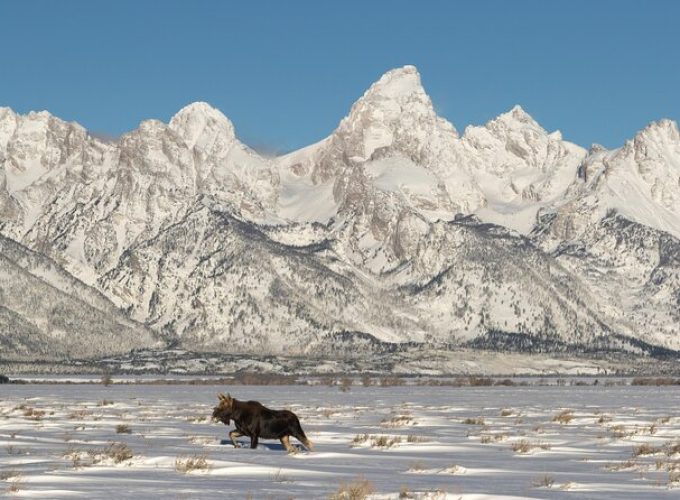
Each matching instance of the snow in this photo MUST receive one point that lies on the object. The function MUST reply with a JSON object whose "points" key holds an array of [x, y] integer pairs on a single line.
{"points": [[301, 200], [447, 442], [397, 83], [397, 174], [192, 121], [187, 228]]}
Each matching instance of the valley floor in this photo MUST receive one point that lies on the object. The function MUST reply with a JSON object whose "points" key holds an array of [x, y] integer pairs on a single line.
{"points": [[142, 441]]}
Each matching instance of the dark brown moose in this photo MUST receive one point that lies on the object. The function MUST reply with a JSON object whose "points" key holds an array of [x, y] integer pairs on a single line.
{"points": [[256, 421]]}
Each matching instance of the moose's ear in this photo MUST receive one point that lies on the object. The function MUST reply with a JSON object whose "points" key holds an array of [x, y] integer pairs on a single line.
{"points": [[221, 396]]}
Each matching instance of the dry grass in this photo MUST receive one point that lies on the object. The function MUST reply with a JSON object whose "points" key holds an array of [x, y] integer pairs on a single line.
{"points": [[74, 456], [118, 452], [563, 417], [105, 402], [405, 492], [391, 381], [279, 477], [489, 438], [78, 414], [14, 450], [627, 465], [416, 466], [454, 469], [15, 484], [345, 384], [672, 448], [655, 381], [359, 489], [603, 419], [546, 481], [9, 474], [474, 421], [33, 414], [381, 441], [263, 379], [620, 431], [397, 421], [360, 438], [507, 412], [667, 465], [645, 449], [673, 478], [123, 429], [385, 441], [192, 463], [412, 438], [524, 446]]}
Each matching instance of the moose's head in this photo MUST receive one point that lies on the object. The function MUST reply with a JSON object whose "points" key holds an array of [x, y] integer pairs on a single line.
{"points": [[222, 411]]}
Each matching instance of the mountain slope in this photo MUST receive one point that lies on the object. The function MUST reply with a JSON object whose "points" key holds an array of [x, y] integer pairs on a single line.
{"points": [[47, 313], [394, 228]]}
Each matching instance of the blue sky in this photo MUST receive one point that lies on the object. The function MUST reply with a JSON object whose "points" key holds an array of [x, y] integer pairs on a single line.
{"points": [[286, 72]]}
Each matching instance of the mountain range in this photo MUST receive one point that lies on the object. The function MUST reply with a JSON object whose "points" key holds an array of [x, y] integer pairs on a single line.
{"points": [[394, 230]]}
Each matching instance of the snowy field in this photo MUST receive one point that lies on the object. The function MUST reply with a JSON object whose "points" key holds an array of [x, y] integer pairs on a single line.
{"points": [[90, 441]]}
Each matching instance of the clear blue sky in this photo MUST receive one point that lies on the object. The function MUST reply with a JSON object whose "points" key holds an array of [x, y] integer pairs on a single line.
{"points": [[286, 72]]}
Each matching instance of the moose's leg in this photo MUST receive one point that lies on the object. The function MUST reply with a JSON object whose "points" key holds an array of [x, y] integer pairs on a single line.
{"points": [[285, 441], [253, 441], [299, 434], [233, 435]]}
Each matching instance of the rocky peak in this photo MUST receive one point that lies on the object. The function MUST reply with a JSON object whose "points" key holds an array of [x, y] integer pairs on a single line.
{"points": [[653, 139], [395, 113], [398, 84], [657, 146], [199, 123], [514, 140], [515, 120], [8, 123]]}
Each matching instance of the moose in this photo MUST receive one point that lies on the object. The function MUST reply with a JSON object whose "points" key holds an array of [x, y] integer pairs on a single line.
{"points": [[256, 421]]}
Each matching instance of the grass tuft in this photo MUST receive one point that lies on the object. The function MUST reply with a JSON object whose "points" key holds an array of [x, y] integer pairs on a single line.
{"points": [[645, 449], [563, 417], [192, 463], [524, 446], [474, 421], [546, 481], [123, 429], [359, 489]]}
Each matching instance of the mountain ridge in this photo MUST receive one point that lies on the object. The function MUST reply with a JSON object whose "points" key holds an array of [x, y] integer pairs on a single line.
{"points": [[515, 229]]}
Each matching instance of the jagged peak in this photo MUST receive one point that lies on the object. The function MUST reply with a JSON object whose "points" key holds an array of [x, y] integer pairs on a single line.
{"points": [[664, 130], [596, 148], [6, 111], [396, 83], [397, 93], [518, 116], [395, 112], [150, 125], [192, 120], [10, 119]]}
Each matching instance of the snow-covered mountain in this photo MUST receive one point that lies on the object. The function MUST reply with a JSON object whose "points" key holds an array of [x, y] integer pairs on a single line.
{"points": [[45, 313], [393, 229]]}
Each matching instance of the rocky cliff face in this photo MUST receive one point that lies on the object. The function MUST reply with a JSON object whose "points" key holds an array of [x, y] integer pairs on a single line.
{"points": [[394, 228]]}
